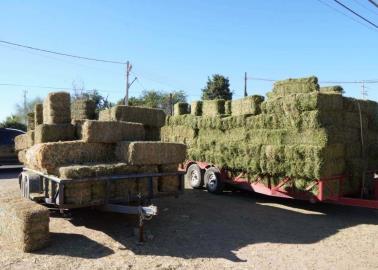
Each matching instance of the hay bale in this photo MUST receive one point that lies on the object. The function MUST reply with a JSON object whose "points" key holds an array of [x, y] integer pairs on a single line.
{"points": [[111, 131], [23, 224], [152, 133], [31, 123], [47, 157], [146, 116], [228, 107], [94, 192], [332, 89], [303, 102], [78, 124], [181, 134], [292, 86], [181, 108], [168, 183], [56, 108], [54, 133], [150, 153], [248, 105], [213, 107], [83, 109], [21, 155], [38, 114], [196, 108], [24, 141]]}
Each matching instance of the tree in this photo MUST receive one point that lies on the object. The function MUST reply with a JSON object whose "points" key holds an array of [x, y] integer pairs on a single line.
{"points": [[13, 121], [100, 101], [156, 99], [217, 87], [22, 111]]}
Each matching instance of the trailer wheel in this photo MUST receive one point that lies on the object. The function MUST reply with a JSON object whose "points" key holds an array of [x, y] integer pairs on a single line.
{"points": [[194, 176], [213, 181]]}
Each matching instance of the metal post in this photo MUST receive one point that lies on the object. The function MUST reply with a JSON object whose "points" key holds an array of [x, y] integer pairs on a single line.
{"points": [[128, 69], [245, 84]]}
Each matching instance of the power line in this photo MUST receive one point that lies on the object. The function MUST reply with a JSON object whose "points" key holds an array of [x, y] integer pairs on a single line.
{"points": [[342, 13], [374, 3], [61, 54], [52, 87], [355, 13], [365, 7]]}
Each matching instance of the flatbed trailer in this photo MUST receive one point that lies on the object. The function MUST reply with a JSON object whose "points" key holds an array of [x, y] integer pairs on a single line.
{"points": [[328, 190], [34, 185]]}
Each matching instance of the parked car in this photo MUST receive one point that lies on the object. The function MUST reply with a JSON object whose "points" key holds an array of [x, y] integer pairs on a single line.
{"points": [[8, 156]]}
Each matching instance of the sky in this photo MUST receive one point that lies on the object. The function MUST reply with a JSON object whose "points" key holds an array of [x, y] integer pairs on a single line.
{"points": [[176, 45]]}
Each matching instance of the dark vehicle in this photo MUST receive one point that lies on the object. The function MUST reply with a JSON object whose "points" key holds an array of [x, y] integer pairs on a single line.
{"points": [[7, 154]]}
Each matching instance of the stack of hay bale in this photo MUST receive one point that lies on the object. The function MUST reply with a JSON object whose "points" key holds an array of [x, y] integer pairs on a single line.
{"points": [[301, 131], [115, 144]]}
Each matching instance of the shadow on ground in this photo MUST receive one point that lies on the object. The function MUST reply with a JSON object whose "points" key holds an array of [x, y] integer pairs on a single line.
{"points": [[75, 245], [7, 173], [199, 225]]}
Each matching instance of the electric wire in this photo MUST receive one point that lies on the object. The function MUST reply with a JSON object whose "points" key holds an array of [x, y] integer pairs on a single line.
{"points": [[355, 13], [62, 54], [344, 14]]}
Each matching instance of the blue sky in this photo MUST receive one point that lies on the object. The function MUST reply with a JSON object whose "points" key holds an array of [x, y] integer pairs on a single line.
{"points": [[176, 45]]}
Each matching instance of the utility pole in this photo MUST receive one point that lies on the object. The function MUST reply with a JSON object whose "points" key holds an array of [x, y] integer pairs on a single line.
{"points": [[245, 84], [364, 91], [25, 105], [128, 69]]}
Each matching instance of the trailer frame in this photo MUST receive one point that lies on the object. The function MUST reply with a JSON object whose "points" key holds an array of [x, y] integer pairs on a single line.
{"points": [[34, 185], [329, 190]]}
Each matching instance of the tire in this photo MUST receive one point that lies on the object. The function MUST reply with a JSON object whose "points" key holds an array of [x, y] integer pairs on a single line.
{"points": [[213, 181], [194, 176]]}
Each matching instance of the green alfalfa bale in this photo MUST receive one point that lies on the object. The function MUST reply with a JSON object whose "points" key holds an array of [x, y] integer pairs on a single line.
{"points": [[247, 105], [292, 86], [303, 102], [213, 107], [180, 134], [146, 116], [183, 120], [38, 114], [303, 160], [214, 122], [181, 108], [111, 131], [332, 89], [31, 122], [299, 121], [228, 107], [355, 120], [196, 108], [54, 133], [231, 122]]}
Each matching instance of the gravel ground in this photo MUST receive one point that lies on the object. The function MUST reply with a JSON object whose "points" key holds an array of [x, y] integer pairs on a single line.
{"points": [[203, 231]]}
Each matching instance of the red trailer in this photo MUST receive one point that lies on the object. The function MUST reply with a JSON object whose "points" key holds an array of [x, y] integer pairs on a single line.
{"points": [[203, 174]]}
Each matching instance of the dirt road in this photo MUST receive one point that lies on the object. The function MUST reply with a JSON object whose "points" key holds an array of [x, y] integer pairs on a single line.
{"points": [[203, 231]]}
